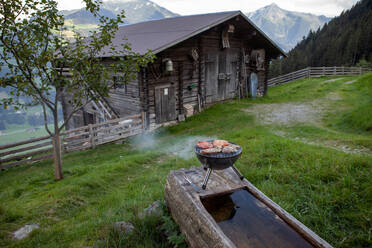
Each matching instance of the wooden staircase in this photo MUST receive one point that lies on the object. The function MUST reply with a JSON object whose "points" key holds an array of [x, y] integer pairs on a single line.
{"points": [[102, 108]]}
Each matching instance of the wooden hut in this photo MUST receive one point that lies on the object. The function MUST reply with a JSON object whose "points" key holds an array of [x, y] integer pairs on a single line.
{"points": [[200, 60]]}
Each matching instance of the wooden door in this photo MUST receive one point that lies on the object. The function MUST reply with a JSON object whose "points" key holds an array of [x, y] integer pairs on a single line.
{"points": [[211, 77], [165, 104], [232, 63], [253, 84], [221, 75]]}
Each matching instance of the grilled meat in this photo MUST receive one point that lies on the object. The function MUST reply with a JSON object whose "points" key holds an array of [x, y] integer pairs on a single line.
{"points": [[229, 149], [236, 147], [204, 144], [211, 150], [220, 143]]}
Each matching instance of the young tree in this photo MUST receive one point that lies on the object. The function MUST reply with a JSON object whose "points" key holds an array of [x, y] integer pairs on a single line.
{"points": [[35, 53]]}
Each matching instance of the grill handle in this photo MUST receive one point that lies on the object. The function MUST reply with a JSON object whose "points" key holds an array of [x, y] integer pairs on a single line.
{"points": [[237, 172], [206, 178]]}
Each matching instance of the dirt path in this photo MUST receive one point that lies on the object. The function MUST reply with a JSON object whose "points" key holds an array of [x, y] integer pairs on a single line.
{"points": [[287, 113], [306, 113], [347, 148]]}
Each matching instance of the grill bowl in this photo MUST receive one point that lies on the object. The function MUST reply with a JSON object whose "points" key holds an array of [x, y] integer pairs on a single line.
{"points": [[218, 161]]}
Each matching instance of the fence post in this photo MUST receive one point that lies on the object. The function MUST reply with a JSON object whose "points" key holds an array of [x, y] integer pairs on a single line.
{"points": [[343, 70], [143, 121], [360, 70], [334, 70], [91, 136], [308, 72], [323, 72]]}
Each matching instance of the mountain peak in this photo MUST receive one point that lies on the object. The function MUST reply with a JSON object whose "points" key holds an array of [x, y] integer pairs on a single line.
{"points": [[284, 26], [273, 5], [135, 11], [118, 1]]}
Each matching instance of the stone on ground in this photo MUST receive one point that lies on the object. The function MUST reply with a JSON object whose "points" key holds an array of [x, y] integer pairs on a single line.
{"points": [[154, 209], [25, 231], [124, 227]]}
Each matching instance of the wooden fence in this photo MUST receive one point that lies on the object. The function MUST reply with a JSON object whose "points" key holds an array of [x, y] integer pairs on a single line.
{"points": [[317, 72], [81, 138]]}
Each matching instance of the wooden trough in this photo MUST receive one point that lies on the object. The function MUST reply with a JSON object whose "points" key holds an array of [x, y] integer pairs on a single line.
{"points": [[231, 213]]}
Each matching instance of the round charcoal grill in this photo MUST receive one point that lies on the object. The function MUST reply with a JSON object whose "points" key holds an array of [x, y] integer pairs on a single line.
{"points": [[218, 161]]}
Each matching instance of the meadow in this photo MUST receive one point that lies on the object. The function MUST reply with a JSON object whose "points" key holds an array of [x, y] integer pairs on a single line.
{"points": [[301, 164]]}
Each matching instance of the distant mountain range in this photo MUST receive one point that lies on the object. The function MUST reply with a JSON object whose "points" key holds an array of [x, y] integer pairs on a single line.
{"points": [[344, 41], [135, 11], [286, 28]]}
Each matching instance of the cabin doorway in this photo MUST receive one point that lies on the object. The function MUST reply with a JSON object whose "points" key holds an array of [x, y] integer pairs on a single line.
{"points": [[165, 104], [221, 75], [253, 84]]}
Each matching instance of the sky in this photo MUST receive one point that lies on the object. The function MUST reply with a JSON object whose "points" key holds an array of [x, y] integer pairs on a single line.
{"points": [[328, 8]]}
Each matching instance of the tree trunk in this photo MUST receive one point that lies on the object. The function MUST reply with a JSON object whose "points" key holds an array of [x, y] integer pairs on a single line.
{"points": [[58, 175]]}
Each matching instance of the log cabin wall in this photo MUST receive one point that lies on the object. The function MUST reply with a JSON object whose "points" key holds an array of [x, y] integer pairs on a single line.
{"points": [[183, 81], [124, 99], [190, 77], [209, 67]]}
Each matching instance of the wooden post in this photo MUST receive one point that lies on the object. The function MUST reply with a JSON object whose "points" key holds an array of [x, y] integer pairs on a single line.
{"points": [[91, 136], [143, 120], [58, 175], [181, 85], [360, 70], [334, 70], [323, 72], [199, 103], [343, 70], [308, 72]]}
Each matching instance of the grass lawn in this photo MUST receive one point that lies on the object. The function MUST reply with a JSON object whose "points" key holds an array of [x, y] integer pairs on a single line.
{"points": [[327, 189]]}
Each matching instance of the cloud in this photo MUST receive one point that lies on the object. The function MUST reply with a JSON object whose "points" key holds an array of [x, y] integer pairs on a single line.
{"points": [[188, 7]]}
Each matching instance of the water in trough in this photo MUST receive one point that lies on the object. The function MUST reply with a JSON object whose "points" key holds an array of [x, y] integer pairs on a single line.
{"points": [[247, 222]]}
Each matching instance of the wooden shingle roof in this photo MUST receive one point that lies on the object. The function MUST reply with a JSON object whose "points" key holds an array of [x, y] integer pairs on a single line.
{"points": [[159, 35]]}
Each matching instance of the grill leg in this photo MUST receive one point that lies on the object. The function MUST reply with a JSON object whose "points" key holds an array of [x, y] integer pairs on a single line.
{"points": [[206, 178], [238, 172]]}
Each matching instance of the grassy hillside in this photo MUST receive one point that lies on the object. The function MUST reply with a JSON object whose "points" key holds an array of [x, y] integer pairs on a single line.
{"points": [[294, 151]]}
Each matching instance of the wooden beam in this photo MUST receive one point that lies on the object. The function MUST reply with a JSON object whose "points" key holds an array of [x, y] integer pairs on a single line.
{"points": [[24, 142], [10, 165], [25, 155], [25, 148]]}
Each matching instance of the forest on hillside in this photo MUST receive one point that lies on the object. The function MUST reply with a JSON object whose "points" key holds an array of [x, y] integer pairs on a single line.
{"points": [[345, 41]]}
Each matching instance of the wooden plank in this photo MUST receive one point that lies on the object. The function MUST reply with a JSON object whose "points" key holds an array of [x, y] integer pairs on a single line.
{"points": [[10, 165], [23, 142], [25, 148], [75, 136], [74, 130], [119, 132], [80, 148], [91, 136], [121, 137], [25, 155], [117, 120], [133, 123], [76, 142]]}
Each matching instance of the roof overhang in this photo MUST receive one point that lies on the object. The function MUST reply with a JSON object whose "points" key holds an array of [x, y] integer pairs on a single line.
{"points": [[205, 28]]}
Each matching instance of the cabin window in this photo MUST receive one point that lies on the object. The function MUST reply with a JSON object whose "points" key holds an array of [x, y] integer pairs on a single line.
{"points": [[118, 83]]}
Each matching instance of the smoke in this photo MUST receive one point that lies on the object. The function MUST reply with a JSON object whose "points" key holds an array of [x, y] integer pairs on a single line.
{"points": [[182, 147]]}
